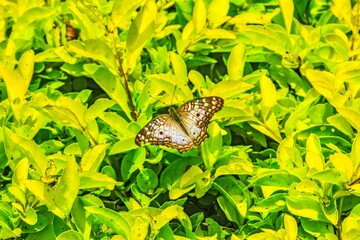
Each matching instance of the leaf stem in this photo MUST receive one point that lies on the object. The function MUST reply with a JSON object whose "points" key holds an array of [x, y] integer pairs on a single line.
{"points": [[339, 218]]}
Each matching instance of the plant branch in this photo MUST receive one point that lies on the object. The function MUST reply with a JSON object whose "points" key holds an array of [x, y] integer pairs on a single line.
{"points": [[124, 75]]}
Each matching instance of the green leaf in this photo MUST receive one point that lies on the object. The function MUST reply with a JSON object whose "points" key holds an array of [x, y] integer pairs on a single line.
{"points": [[297, 116], [147, 95], [20, 196], [116, 122], [64, 111], [26, 67], [30, 216], [78, 214], [267, 234], [96, 109], [147, 180], [90, 180], [203, 184], [320, 112], [94, 49], [93, 157], [350, 225], [236, 166], [212, 146], [123, 11], [67, 188], [217, 12], [131, 162], [233, 201], [287, 10], [314, 158], [272, 37], [141, 30], [268, 177], [287, 77], [199, 16], [179, 66], [307, 188], [339, 42], [235, 66], [21, 173], [198, 61], [8, 233], [218, 34], [71, 234], [308, 207], [27, 19], [110, 83], [274, 203], [329, 208], [288, 155], [139, 227], [85, 16], [348, 72], [197, 79], [343, 163], [269, 128], [176, 191], [355, 155], [333, 176], [15, 87], [112, 219], [190, 176], [351, 115], [41, 223], [340, 123], [176, 169], [291, 227], [316, 228], [268, 96], [323, 82], [168, 214], [124, 145], [30, 150], [167, 83], [45, 194]]}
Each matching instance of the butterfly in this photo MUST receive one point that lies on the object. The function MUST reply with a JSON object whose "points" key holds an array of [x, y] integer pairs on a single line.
{"points": [[182, 129]]}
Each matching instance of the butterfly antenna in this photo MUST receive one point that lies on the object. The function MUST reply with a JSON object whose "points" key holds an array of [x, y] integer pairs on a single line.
{"points": [[166, 104], [157, 99], [173, 95]]}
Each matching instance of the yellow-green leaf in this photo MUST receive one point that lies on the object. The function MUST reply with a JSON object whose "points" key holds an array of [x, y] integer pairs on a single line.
{"points": [[236, 62]]}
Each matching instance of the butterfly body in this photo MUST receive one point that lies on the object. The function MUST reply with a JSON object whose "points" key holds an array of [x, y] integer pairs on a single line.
{"points": [[182, 129]]}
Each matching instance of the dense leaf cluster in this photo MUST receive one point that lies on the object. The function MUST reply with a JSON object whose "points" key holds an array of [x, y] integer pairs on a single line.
{"points": [[80, 78]]}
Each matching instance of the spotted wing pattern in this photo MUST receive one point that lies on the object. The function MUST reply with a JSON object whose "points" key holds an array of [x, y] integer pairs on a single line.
{"points": [[163, 130], [196, 115], [184, 130]]}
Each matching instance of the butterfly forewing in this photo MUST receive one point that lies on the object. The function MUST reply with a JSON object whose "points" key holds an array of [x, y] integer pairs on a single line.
{"points": [[196, 115], [200, 111], [184, 128]]}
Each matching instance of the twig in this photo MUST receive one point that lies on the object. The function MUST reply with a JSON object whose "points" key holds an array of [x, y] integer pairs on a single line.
{"points": [[123, 74]]}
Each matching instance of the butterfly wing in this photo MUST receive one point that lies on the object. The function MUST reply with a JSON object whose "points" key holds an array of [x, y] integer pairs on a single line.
{"points": [[163, 130], [196, 114]]}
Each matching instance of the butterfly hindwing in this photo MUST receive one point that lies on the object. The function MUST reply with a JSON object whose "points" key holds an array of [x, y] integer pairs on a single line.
{"points": [[163, 130]]}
